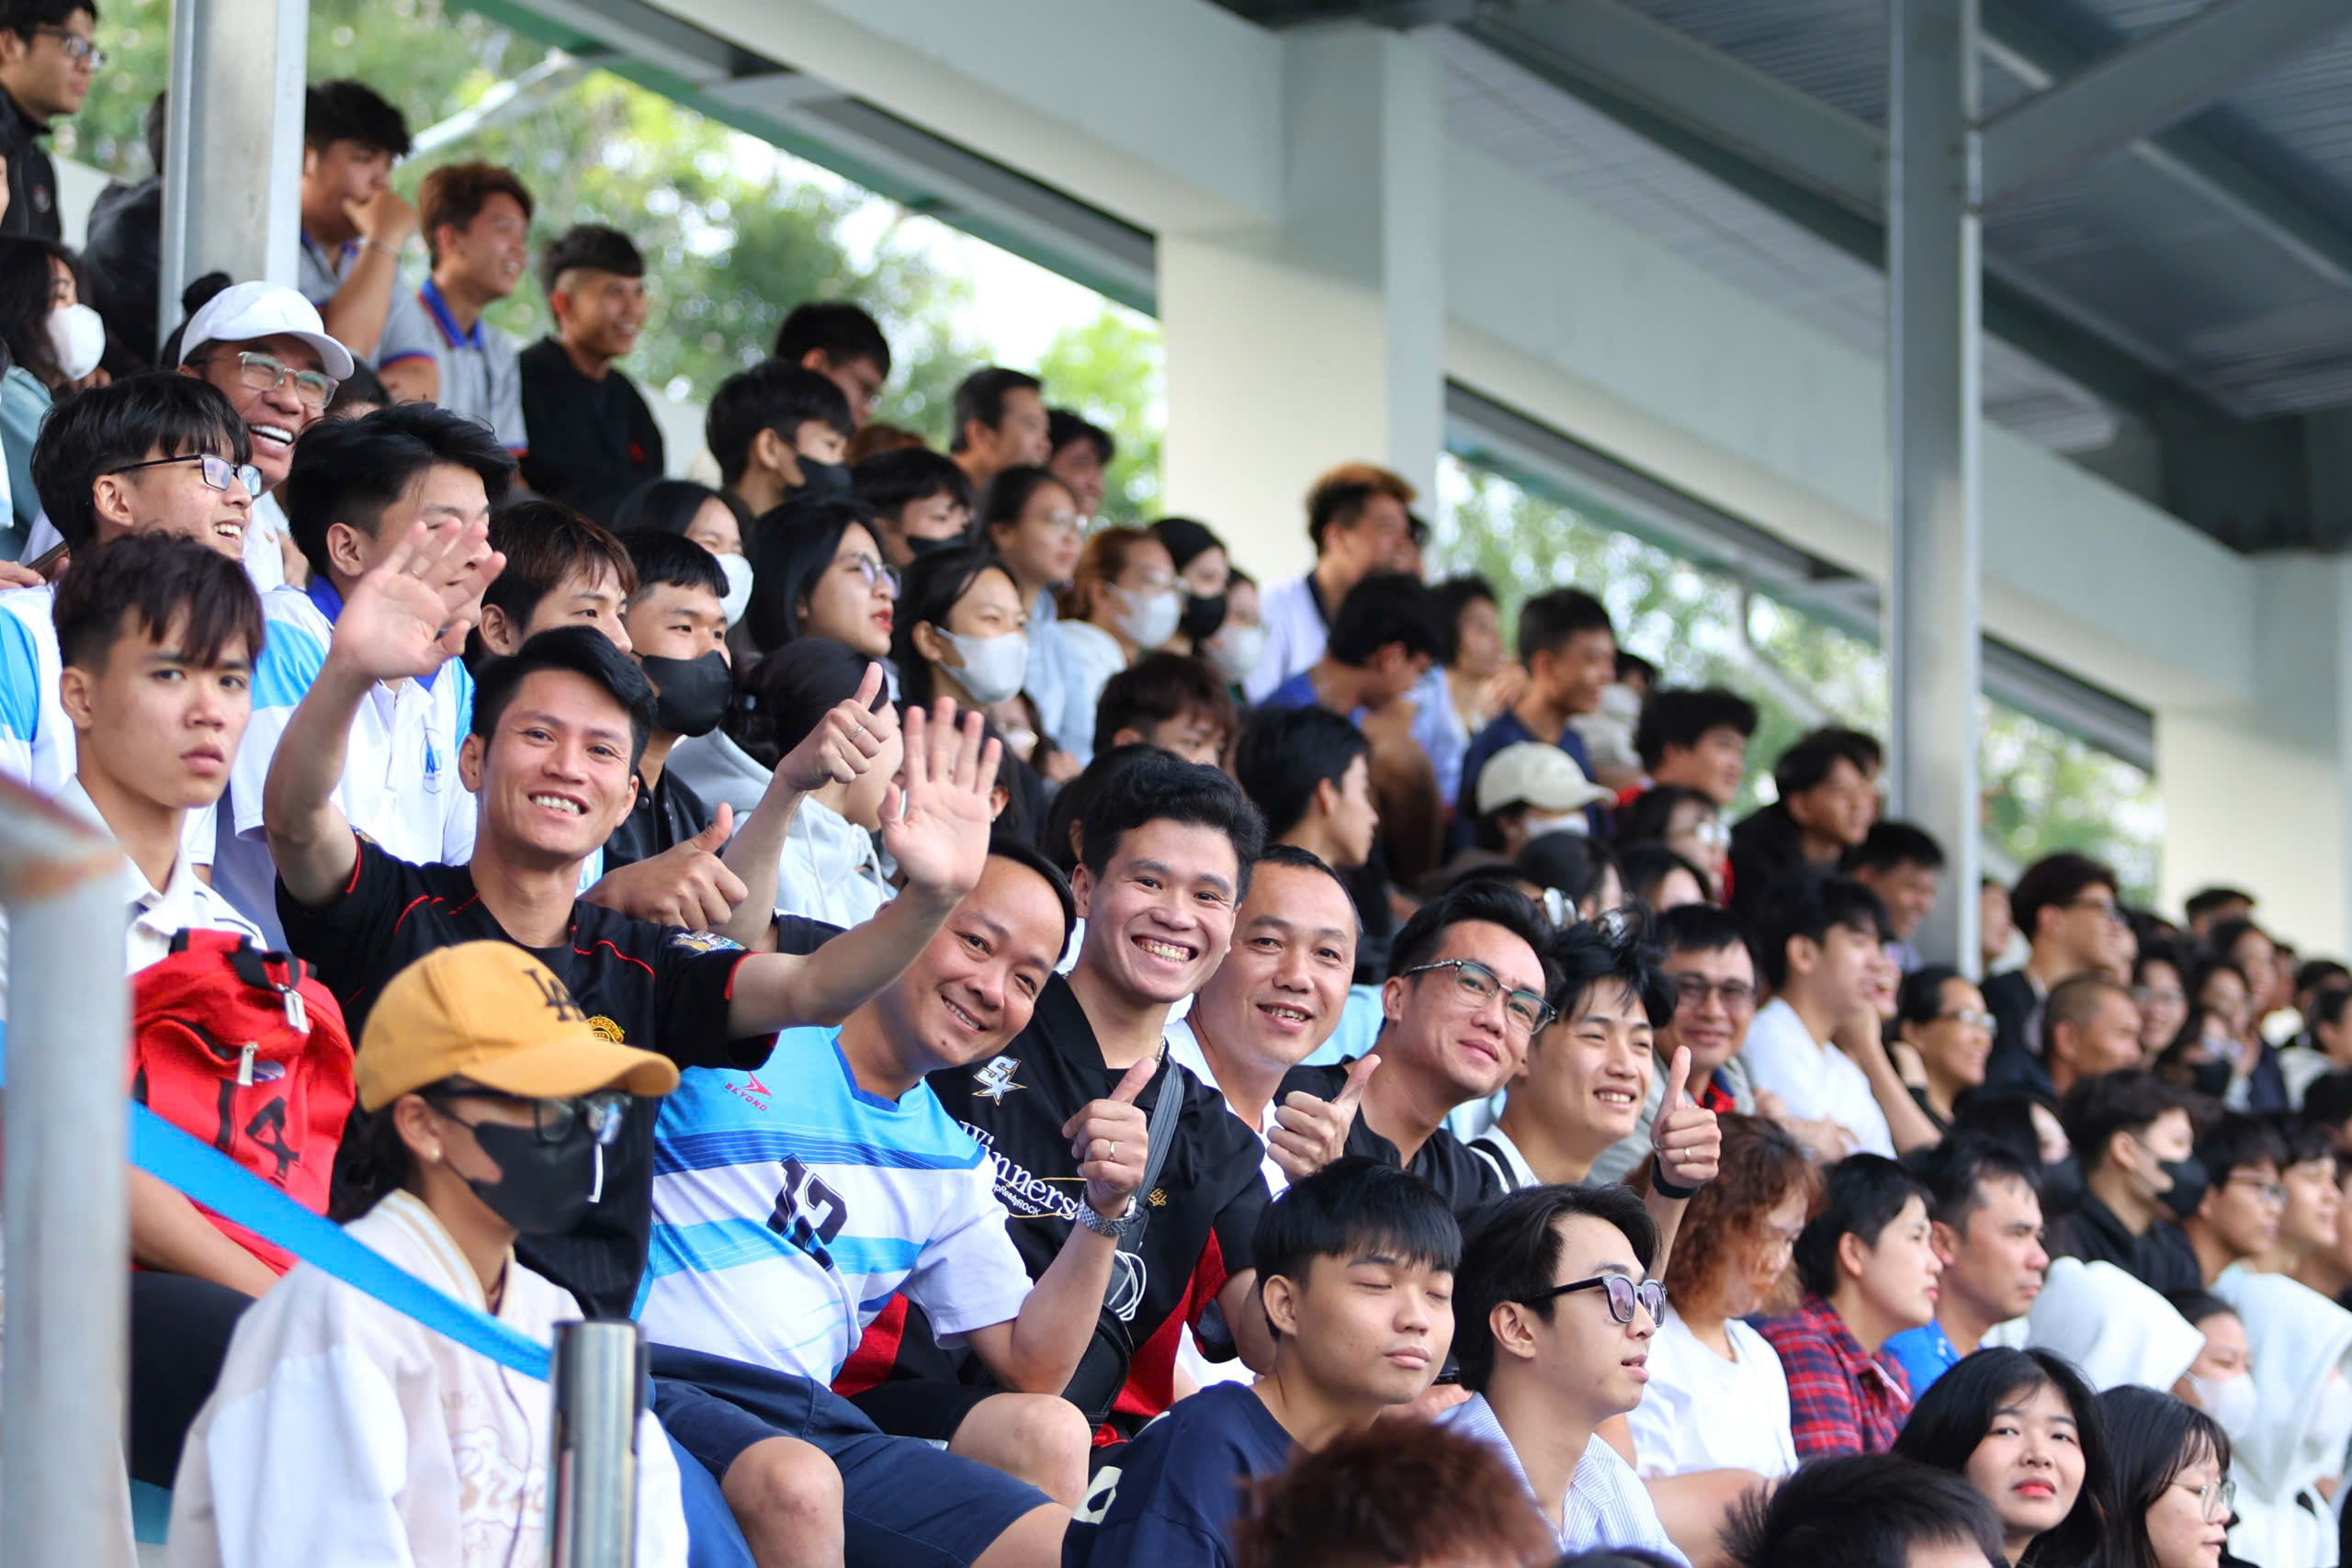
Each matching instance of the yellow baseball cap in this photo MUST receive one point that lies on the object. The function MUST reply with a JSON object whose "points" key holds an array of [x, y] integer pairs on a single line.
{"points": [[490, 1012]]}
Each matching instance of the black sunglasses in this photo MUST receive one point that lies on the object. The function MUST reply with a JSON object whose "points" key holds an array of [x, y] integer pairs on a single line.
{"points": [[1624, 1293]]}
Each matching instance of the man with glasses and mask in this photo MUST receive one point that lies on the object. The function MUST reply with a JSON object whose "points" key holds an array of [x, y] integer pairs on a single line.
{"points": [[1713, 970], [1464, 999], [264, 345], [47, 58], [1554, 1313], [2065, 905]]}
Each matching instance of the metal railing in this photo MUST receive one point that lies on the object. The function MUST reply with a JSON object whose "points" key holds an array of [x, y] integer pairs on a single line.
{"points": [[601, 1377]]}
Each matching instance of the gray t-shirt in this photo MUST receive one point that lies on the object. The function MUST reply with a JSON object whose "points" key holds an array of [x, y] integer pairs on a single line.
{"points": [[479, 375], [320, 276]]}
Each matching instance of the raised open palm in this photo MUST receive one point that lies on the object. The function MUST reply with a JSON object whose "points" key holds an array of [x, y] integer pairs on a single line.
{"points": [[936, 823], [410, 615]]}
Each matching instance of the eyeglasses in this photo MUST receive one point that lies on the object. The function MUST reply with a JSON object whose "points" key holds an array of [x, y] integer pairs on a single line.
{"points": [[78, 49], [1624, 1293], [2217, 1499], [1477, 986], [1974, 1018], [1696, 988], [263, 374], [1064, 522], [553, 1121], [2149, 996], [2105, 911], [218, 471], [1712, 833], [2272, 1193], [876, 573]]}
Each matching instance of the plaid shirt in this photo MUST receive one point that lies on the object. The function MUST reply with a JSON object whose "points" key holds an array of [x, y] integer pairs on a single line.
{"points": [[1842, 1400]]}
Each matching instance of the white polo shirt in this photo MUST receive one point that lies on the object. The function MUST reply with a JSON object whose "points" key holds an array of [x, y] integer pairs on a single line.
{"points": [[1815, 1080], [1297, 635]]}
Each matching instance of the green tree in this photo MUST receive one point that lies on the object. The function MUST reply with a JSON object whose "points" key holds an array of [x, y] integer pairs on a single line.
{"points": [[1110, 370]]}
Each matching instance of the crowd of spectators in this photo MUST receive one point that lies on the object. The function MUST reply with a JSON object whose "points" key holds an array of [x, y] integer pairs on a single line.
{"points": [[1071, 1055]]}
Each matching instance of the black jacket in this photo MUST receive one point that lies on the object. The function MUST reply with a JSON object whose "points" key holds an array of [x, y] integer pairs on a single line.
{"points": [[32, 178], [123, 259], [2161, 1259]]}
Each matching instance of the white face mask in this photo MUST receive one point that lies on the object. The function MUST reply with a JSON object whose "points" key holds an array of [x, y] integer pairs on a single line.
{"points": [[737, 598], [2331, 1427], [2229, 1400], [1539, 823], [994, 666], [1151, 621], [1237, 651], [78, 337]]}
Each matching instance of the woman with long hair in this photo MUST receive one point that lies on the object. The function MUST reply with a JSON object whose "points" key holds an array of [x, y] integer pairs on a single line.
{"points": [[41, 319], [2024, 1427], [1122, 604], [818, 570], [1717, 1398], [2173, 1492], [1940, 1015]]}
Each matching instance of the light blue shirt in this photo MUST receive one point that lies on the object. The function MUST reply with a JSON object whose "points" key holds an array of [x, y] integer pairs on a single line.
{"points": [[1607, 1506]]}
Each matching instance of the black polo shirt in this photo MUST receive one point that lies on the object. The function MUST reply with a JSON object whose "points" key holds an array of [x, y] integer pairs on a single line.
{"points": [[1203, 1208], [666, 815], [655, 987], [1445, 1162], [591, 442]]}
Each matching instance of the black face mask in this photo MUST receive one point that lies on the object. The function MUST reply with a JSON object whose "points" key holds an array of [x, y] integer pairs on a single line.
{"points": [[690, 694], [823, 479], [2190, 1184], [1203, 615], [543, 1189], [917, 548], [2061, 1187], [2210, 1079]]}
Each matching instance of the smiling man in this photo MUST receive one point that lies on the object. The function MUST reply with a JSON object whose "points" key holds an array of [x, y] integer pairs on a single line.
{"points": [[591, 439], [1713, 970], [147, 454], [476, 219], [1557, 1309], [264, 346], [1358, 1265]]}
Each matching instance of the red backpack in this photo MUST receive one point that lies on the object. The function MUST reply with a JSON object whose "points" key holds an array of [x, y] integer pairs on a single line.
{"points": [[246, 1051]]}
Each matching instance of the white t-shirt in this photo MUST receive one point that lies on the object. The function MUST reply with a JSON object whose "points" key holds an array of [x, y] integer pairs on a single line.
{"points": [[1296, 636], [1701, 1412], [1815, 1080], [830, 869]]}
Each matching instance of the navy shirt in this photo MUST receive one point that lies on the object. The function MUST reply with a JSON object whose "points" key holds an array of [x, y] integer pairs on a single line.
{"points": [[1505, 729], [1180, 1484]]}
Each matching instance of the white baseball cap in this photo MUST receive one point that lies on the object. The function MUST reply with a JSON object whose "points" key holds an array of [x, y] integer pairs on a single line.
{"points": [[243, 311], [1532, 773]]}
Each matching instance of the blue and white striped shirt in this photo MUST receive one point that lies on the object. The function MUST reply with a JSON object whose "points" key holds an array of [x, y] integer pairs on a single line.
{"points": [[789, 1205]]}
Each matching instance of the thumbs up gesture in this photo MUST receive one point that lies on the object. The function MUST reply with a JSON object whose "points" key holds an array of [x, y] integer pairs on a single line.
{"points": [[1111, 1141], [1686, 1137], [686, 885], [1309, 1133]]}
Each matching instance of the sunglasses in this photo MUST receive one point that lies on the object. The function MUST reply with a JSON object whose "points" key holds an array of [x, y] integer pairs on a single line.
{"points": [[1625, 1292]]}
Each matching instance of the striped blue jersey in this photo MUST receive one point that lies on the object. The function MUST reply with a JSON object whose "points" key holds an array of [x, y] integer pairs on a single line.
{"points": [[789, 1205]]}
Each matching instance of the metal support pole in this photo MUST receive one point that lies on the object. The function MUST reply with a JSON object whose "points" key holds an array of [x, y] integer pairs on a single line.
{"points": [[61, 1487], [1934, 356], [232, 158], [601, 1378]]}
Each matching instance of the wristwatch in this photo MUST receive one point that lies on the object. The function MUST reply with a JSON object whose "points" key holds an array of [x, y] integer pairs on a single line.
{"points": [[1119, 1229]]}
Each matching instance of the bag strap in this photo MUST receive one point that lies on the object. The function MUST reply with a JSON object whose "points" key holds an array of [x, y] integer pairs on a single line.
{"points": [[1165, 1113]]}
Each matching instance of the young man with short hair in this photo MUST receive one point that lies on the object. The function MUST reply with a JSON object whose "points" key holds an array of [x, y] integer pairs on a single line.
{"points": [[1388, 631], [476, 217], [264, 346], [2138, 1150], [1309, 771], [1358, 1270], [1903, 865], [1819, 945], [2237, 1219], [921, 501], [354, 492], [1707, 956], [48, 55], [2209, 904], [1869, 1266], [1078, 453], [776, 429], [1825, 798], [1168, 849], [562, 568], [1556, 1312], [792, 1202], [1569, 648], [592, 440], [2308, 1227], [354, 223], [1175, 701], [1357, 520], [2067, 903], [1000, 424], [839, 340], [2090, 1025], [1868, 1511], [1986, 1216], [1466, 995], [146, 455], [1696, 740]]}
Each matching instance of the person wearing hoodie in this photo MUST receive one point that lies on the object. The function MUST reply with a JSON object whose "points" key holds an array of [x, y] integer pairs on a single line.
{"points": [[2293, 1453], [2111, 1325], [2221, 1381]]}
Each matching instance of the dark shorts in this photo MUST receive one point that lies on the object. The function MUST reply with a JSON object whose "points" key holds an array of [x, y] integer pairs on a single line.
{"points": [[921, 1407], [903, 1502]]}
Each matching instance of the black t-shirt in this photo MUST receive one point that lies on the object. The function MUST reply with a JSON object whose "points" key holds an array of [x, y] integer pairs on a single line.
{"points": [[1203, 1208], [655, 987], [1445, 1162], [2160, 1258], [664, 816], [591, 442]]}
